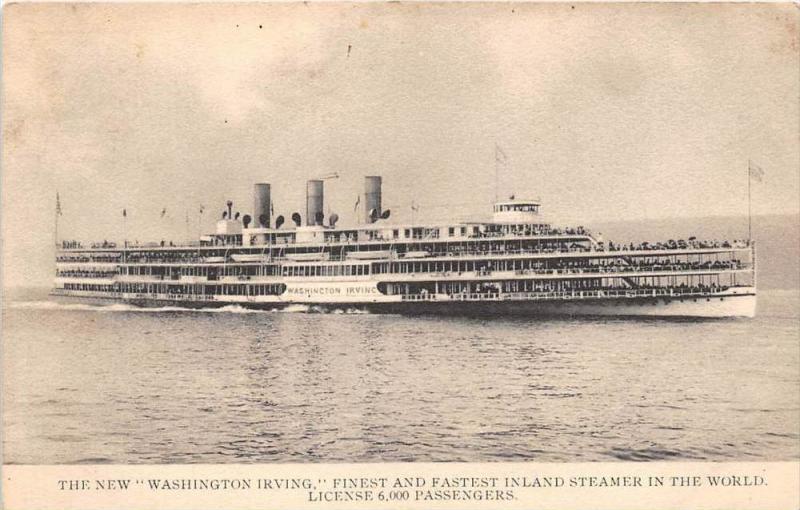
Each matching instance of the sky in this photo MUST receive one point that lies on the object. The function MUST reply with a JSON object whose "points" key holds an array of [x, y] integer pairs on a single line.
{"points": [[603, 112]]}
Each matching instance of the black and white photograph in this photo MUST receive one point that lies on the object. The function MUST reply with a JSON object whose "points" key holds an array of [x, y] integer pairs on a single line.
{"points": [[361, 233]]}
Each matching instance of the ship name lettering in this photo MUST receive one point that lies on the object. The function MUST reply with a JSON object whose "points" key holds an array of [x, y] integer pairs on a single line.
{"points": [[361, 290], [314, 290]]}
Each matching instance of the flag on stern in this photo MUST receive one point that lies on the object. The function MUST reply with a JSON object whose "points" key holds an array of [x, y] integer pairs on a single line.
{"points": [[499, 154], [756, 172]]}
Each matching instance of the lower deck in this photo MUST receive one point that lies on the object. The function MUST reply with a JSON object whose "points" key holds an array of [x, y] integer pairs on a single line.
{"points": [[662, 302]]}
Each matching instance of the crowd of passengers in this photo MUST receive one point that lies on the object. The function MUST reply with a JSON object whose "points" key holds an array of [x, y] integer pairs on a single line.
{"points": [[86, 274], [142, 257], [513, 248], [106, 258], [533, 230], [683, 288], [680, 244], [192, 257], [169, 257], [644, 265], [104, 244]]}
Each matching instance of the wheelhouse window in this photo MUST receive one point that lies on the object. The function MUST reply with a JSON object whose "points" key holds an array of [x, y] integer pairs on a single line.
{"points": [[534, 208]]}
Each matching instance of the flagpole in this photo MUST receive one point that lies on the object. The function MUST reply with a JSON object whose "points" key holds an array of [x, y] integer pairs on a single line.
{"points": [[58, 213], [496, 173], [56, 241], [125, 230], [124, 235], [199, 228], [749, 203]]}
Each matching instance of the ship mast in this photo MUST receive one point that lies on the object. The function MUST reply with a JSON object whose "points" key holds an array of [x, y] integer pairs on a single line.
{"points": [[499, 158], [55, 230], [749, 204], [757, 173]]}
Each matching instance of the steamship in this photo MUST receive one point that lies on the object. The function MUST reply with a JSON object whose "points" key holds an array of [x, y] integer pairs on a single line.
{"points": [[513, 264]]}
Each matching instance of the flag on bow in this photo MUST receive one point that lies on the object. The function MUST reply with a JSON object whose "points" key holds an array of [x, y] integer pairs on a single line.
{"points": [[499, 154], [756, 172]]}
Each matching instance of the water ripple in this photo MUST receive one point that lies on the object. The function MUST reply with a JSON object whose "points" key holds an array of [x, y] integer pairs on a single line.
{"points": [[134, 386]]}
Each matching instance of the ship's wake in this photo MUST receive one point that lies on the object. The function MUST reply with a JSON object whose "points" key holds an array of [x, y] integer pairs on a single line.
{"points": [[228, 309]]}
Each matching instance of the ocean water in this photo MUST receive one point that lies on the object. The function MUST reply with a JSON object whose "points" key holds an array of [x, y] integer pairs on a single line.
{"points": [[117, 384]]}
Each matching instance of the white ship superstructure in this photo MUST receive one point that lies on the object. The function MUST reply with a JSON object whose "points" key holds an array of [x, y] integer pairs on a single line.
{"points": [[512, 264]]}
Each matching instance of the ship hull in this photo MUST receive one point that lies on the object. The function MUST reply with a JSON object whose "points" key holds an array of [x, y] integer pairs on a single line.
{"points": [[699, 307], [710, 306]]}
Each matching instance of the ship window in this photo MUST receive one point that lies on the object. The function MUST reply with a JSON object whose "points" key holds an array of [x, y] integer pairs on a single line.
{"points": [[451, 231]]}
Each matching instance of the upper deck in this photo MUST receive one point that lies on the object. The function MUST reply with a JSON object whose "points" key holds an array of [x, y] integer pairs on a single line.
{"points": [[515, 230]]}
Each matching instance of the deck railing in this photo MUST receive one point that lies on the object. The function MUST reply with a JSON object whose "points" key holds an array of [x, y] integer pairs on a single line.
{"points": [[568, 253], [569, 295]]}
